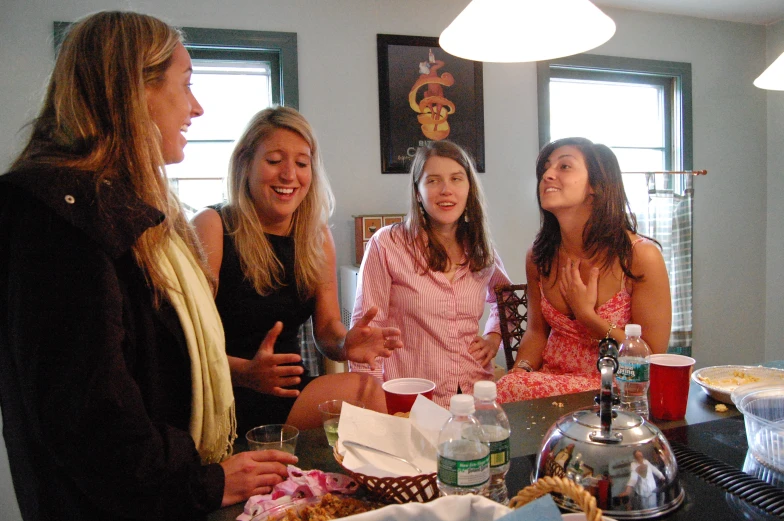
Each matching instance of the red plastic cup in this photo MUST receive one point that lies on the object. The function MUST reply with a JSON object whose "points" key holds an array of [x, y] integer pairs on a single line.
{"points": [[669, 389], [401, 393]]}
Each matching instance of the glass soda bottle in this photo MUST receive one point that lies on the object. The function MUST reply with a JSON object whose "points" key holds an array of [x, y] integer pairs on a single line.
{"points": [[495, 431], [463, 462], [633, 374]]}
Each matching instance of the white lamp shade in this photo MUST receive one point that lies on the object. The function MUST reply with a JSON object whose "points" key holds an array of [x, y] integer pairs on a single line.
{"points": [[526, 30], [773, 77]]}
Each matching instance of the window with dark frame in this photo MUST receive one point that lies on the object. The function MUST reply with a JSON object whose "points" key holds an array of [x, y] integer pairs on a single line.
{"points": [[642, 110], [236, 74]]}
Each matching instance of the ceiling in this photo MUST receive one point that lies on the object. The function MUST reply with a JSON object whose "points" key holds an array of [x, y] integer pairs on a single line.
{"points": [[761, 12]]}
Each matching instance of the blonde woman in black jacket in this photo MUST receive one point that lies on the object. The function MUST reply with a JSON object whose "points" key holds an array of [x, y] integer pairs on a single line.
{"points": [[114, 383]]}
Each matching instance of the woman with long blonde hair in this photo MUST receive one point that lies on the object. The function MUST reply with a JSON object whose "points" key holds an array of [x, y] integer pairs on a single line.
{"points": [[272, 259], [114, 383]]}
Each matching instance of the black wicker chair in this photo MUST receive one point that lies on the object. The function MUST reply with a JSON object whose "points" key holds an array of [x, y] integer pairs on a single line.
{"points": [[512, 302]]}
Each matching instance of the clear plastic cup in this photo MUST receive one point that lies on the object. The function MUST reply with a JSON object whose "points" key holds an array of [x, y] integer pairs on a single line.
{"points": [[275, 436], [330, 415], [762, 407]]}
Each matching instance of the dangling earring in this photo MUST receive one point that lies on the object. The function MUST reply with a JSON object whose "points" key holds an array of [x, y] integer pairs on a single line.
{"points": [[422, 212], [465, 216]]}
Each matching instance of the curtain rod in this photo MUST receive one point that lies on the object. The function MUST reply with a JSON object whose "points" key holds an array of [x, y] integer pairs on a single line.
{"points": [[692, 172]]}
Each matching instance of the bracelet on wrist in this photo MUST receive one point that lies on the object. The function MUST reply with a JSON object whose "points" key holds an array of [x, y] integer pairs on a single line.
{"points": [[608, 334], [525, 365], [609, 331]]}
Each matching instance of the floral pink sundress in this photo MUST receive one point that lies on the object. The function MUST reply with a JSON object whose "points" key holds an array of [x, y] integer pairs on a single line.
{"points": [[569, 358]]}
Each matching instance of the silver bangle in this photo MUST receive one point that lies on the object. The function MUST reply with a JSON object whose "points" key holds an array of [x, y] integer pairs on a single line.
{"points": [[525, 365]]}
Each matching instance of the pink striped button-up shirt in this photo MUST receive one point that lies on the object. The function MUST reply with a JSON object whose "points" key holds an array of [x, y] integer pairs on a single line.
{"points": [[437, 319]]}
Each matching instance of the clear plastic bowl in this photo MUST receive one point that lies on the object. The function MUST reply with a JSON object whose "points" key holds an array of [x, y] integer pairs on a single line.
{"points": [[763, 412]]}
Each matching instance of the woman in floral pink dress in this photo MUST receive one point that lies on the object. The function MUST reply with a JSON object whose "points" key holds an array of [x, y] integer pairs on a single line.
{"points": [[589, 274]]}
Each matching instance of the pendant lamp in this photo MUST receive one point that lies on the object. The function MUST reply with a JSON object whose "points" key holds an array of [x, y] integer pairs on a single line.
{"points": [[773, 77], [526, 30]]}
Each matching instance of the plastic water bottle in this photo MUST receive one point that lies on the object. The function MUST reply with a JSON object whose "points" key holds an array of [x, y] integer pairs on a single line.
{"points": [[463, 462], [633, 374], [495, 431]]}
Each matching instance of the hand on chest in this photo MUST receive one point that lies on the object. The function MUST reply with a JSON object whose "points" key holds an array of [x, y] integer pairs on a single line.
{"points": [[560, 290]]}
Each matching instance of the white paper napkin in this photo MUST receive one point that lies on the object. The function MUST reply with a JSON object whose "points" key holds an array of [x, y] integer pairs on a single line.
{"points": [[414, 439], [447, 508]]}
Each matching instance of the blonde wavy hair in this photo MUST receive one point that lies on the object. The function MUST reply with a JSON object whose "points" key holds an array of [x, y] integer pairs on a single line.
{"points": [[95, 118], [310, 220]]}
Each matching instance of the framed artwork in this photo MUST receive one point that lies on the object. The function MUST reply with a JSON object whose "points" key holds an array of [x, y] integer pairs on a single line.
{"points": [[364, 228], [426, 94]]}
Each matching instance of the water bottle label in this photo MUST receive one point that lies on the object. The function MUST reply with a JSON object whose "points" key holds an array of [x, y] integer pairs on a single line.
{"points": [[631, 372], [467, 473], [499, 453]]}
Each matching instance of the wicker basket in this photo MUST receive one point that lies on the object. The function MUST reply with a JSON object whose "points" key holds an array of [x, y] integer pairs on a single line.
{"points": [[404, 489], [567, 487]]}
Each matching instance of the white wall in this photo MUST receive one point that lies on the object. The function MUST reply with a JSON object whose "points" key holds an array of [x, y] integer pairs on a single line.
{"points": [[774, 331], [338, 94]]}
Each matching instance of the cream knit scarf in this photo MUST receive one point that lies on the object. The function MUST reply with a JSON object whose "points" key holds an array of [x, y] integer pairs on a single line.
{"points": [[213, 425]]}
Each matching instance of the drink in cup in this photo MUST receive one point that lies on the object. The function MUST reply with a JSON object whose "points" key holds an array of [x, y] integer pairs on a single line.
{"points": [[669, 389], [401, 393], [330, 415], [275, 436], [331, 430]]}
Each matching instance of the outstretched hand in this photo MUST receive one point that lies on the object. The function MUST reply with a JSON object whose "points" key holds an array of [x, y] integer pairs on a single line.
{"points": [[254, 472], [579, 296], [265, 373], [364, 343]]}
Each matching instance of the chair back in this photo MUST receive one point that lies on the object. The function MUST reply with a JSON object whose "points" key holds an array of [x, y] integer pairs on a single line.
{"points": [[512, 301]]}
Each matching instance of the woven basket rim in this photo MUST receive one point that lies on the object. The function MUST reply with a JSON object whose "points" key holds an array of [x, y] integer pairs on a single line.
{"points": [[401, 489], [565, 486]]}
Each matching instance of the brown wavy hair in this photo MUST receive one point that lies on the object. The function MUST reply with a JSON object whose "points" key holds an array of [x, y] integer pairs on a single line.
{"points": [[606, 233], [473, 234], [94, 118]]}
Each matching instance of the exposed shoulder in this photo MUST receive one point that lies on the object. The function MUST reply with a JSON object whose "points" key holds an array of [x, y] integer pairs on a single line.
{"points": [[645, 254], [207, 220], [209, 228], [531, 271], [529, 255], [329, 241]]}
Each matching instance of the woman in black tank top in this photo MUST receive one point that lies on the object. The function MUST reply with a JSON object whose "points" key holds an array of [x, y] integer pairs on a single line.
{"points": [[273, 260]]}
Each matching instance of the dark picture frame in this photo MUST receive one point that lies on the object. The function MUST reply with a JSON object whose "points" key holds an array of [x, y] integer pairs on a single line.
{"points": [[438, 83]]}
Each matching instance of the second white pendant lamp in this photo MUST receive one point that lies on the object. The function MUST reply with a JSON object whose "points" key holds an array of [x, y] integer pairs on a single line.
{"points": [[773, 77], [526, 30]]}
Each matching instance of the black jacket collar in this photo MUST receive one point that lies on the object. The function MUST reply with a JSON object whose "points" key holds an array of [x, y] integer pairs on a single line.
{"points": [[115, 223]]}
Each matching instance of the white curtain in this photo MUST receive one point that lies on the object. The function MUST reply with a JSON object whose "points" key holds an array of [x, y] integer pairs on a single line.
{"points": [[668, 219]]}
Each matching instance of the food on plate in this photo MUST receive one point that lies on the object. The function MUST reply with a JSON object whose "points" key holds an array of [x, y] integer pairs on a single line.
{"points": [[720, 407], [730, 382], [299, 485], [330, 507]]}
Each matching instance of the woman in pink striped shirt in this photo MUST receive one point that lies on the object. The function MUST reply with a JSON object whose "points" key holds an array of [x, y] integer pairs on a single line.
{"points": [[432, 275]]}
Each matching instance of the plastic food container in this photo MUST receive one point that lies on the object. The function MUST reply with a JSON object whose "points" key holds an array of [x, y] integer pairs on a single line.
{"points": [[763, 412]]}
